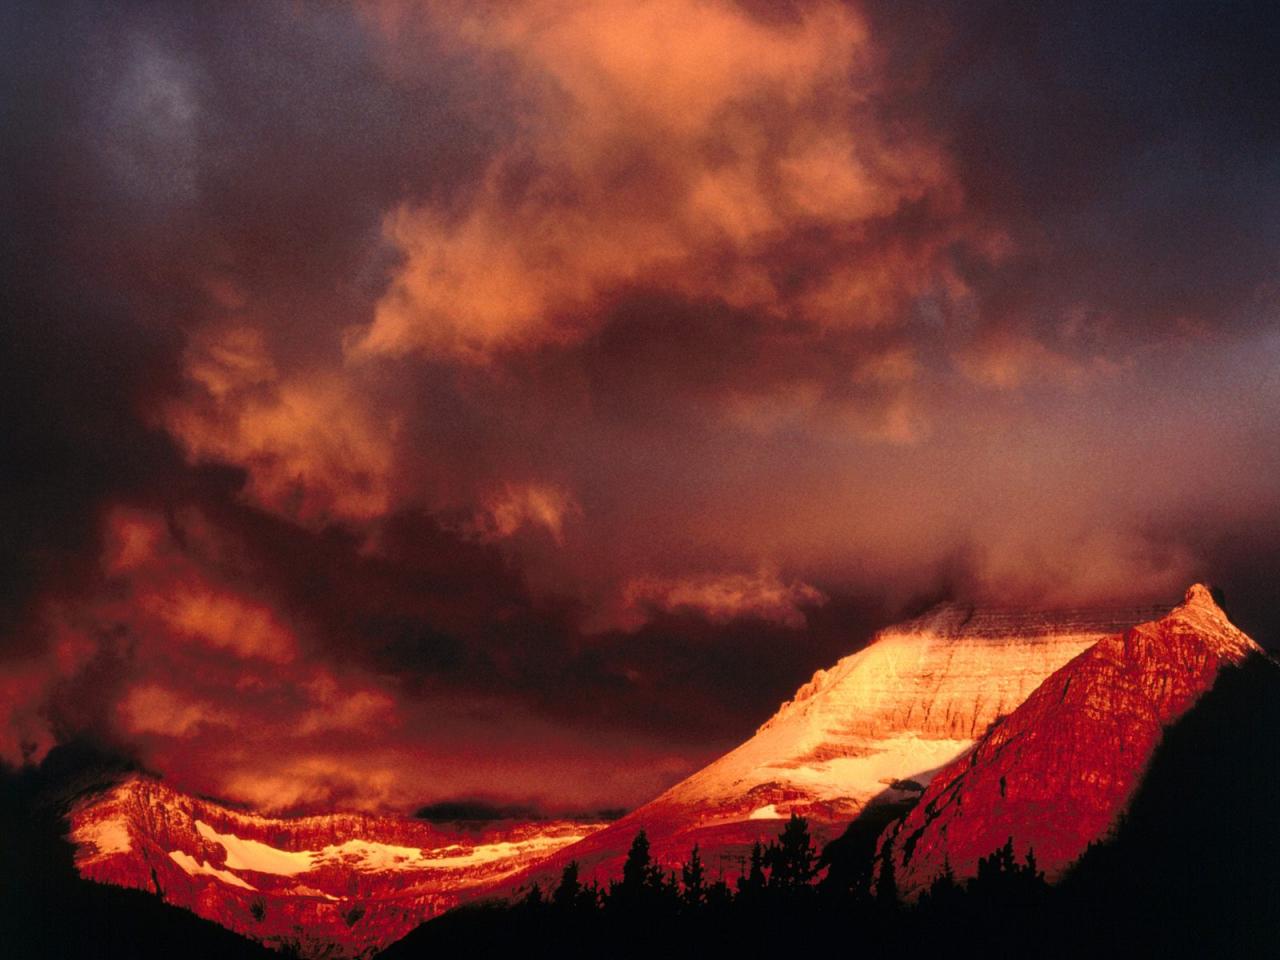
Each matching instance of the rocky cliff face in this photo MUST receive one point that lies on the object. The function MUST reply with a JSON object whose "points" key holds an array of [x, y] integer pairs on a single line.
{"points": [[874, 728], [343, 885], [1057, 772]]}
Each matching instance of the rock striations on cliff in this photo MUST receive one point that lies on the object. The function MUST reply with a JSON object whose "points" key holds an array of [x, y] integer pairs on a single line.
{"points": [[872, 729], [1060, 769], [337, 885]]}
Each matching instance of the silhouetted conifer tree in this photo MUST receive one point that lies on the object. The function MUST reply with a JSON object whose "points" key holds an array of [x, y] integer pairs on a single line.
{"points": [[944, 889], [645, 885], [1002, 882], [751, 887], [792, 859], [534, 897], [569, 893], [636, 872], [693, 878], [719, 896]]}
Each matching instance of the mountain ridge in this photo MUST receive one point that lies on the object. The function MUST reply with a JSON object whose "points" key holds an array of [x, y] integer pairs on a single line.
{"points": [[1060, 769], [337, 885], [869, 730]]}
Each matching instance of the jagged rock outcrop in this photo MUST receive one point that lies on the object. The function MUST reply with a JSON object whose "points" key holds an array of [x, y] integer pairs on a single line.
{"points": [[1059, 770], [341, 885], [871, 729]]}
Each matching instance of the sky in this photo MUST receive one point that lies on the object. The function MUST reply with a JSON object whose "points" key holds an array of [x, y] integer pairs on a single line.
{"points": [[416, 402]]}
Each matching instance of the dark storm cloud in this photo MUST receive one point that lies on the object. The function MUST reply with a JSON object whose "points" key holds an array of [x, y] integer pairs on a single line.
{"points": [[1132, 148], [163, 166], [146, 147], [437, 613], [64, 324]]}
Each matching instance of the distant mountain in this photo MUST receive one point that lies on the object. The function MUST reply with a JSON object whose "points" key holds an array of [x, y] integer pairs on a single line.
{"points": [[1058, 772], [870, 731], [47, 912], [340, 885]]}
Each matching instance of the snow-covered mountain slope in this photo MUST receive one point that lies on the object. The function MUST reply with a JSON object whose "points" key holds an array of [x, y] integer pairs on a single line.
{"points": [[873, 728], [1057, 772], [342, 885]]}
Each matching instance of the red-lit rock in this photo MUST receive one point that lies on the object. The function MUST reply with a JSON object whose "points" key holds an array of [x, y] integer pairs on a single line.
{"points": [[872, 729], [1057, 772], [343, 885]]}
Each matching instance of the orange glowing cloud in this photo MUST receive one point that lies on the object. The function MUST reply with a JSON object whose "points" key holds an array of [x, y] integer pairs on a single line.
{"points": [[1090, 565], [724, 597], [202, 664], [515, 507], [131, 538], [150, 708], [26, 683], [671, 142], [168, 588], [312, 449], [1006, 360], [221, 620], [314, 780], [889, 406], [336, 706], [24, 733]]}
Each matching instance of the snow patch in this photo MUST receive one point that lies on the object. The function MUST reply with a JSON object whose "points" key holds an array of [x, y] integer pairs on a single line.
{"points": [[259, 857], [366, 855], [193, 867], [108, 836], [369, 855], [899, 709], [301, 891], [492, 852], [767, 812]]}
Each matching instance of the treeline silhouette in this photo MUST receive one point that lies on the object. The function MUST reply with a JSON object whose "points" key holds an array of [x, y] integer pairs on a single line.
{"points": [[785, 891]]}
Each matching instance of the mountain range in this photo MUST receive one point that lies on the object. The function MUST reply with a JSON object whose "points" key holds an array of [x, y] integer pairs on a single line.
{"points": [[949, 734], [335, 885]]}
